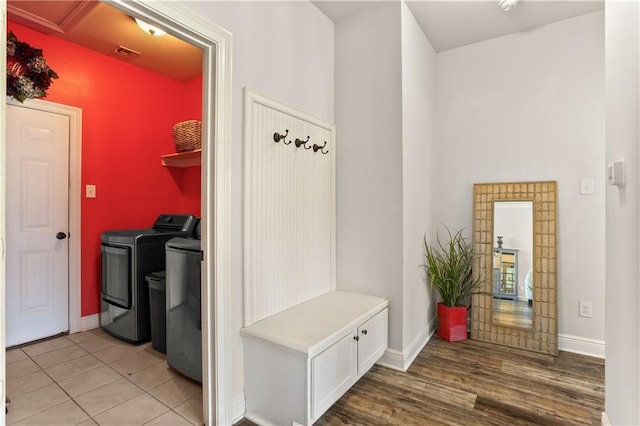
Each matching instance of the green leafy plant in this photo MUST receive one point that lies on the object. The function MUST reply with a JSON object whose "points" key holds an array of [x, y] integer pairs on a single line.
{"points": [[449, 267]]}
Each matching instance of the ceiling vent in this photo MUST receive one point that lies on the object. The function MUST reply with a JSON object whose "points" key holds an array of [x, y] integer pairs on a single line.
{"points": [[126, 53]]}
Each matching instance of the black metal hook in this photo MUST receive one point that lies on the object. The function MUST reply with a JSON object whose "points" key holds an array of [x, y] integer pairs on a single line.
{"points": [[277, 137], [299, 142], [317, 148]]}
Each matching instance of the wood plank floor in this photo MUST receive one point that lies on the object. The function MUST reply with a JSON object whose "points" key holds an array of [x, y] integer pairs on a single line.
{"points": [[512, 313], [470, 382]]}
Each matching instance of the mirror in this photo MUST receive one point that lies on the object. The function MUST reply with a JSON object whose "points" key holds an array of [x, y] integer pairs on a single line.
{"points": [[512, 303], [517, 267]]}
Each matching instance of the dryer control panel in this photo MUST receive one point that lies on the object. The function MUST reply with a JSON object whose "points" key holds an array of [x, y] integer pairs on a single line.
{"points": [[175, 222]]}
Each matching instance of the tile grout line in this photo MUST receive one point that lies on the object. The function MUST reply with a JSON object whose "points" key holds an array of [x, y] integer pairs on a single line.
{"points": [[153, 396], [64, 390], [52, 379], [102, 364], [107, 384], [127, 377]]}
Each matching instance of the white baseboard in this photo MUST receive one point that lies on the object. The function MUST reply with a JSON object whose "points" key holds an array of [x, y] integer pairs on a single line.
{"points": [[392, 359], [258, 420], [418, 343], [401, 361], [604, 420], [237, 408], [581, 345], [89, 322]]}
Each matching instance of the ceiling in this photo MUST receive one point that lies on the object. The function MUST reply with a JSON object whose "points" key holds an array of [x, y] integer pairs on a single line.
{"points": [[451, 23], [103, 28], [446, 23]]}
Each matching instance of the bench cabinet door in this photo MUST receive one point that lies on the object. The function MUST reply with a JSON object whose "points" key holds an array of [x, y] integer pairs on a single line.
{"points": [[372, 341], [333, 372]]}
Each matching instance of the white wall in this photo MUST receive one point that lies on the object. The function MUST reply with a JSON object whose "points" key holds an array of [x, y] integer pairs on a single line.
{"points": [[369, 157], [283, 50], [524, 107], [418, 176], [385, 120], [622, 369]]}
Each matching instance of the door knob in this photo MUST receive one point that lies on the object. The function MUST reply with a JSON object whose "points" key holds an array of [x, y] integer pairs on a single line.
{"points": [[61, 235]]}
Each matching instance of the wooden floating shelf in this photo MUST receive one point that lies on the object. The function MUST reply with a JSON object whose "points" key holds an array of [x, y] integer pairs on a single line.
{"points": [[182, 159]]}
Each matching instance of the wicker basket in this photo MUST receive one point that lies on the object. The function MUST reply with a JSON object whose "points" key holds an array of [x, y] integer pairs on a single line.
{"points": [[187, 135]]}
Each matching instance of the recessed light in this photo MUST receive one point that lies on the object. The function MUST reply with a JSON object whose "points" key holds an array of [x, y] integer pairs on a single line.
{"points": [[149, 29], [508, 5]]}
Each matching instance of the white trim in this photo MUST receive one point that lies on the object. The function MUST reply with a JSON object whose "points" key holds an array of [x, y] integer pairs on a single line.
{"points": [[3, 211], [215, 42], [75, 193], [581, 345], [604, 420], [90, 322], [259, 420], [411, 353], [253, 96], [392, 359], [238, 408], [401, 361]]}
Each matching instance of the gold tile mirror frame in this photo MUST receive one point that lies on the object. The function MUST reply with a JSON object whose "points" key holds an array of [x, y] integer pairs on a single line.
{"points": [[543, 337]]}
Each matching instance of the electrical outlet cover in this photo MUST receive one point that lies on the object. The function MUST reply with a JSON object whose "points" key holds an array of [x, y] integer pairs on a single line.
{"points": [[585, 309]]}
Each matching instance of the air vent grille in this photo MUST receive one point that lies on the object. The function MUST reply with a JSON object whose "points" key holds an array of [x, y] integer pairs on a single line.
{"points": [[125, 52]]}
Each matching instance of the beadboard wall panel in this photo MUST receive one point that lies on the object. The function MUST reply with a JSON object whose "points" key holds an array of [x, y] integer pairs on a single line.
{"points": [[289, 213]]}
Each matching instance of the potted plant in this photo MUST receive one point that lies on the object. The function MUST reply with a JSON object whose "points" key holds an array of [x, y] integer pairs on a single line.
{"points": [[449, 268]]}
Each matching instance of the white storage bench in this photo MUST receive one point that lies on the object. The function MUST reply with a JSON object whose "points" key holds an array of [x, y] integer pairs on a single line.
{"points": [[298, 362]]}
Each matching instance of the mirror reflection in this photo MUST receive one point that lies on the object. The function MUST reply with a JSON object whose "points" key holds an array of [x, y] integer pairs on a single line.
{"points": [[512, 301]]}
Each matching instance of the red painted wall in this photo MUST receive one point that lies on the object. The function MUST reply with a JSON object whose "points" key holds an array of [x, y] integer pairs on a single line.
{"points": [[127, 119]]}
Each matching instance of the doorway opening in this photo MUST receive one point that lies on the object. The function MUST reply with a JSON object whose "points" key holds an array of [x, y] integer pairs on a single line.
{"points": [[215, 193]]}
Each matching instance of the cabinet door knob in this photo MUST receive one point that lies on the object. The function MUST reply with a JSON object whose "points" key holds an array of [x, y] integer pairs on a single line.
{"points": [[356, 338], [364, 332]]}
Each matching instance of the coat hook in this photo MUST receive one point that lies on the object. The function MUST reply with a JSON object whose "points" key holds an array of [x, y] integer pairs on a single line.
{"points": [[277, 136], [317, 148], [299, 142]]}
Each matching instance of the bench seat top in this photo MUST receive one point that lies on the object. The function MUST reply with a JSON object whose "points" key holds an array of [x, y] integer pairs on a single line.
{"points": [[311, 326]]}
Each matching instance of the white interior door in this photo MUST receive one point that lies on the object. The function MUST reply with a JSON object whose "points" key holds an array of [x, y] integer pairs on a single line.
{"points": [[37, 268]]}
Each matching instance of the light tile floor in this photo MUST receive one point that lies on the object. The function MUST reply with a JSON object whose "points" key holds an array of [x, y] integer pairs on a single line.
{"points": [[92, 378]]}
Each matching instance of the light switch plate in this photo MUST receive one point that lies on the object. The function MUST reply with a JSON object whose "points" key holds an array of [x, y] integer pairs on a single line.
{"points": [[586, 186], [91, 191]]}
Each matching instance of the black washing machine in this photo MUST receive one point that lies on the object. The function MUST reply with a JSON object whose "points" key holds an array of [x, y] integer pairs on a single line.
{"points": [[127, 257], [184, 318]]}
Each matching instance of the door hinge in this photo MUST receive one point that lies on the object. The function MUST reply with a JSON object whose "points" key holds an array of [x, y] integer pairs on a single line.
{"points": [[201, 255]]}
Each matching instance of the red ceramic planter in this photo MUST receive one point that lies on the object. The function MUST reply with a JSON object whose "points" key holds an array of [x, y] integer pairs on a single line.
{"points": [[452, 323]]}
